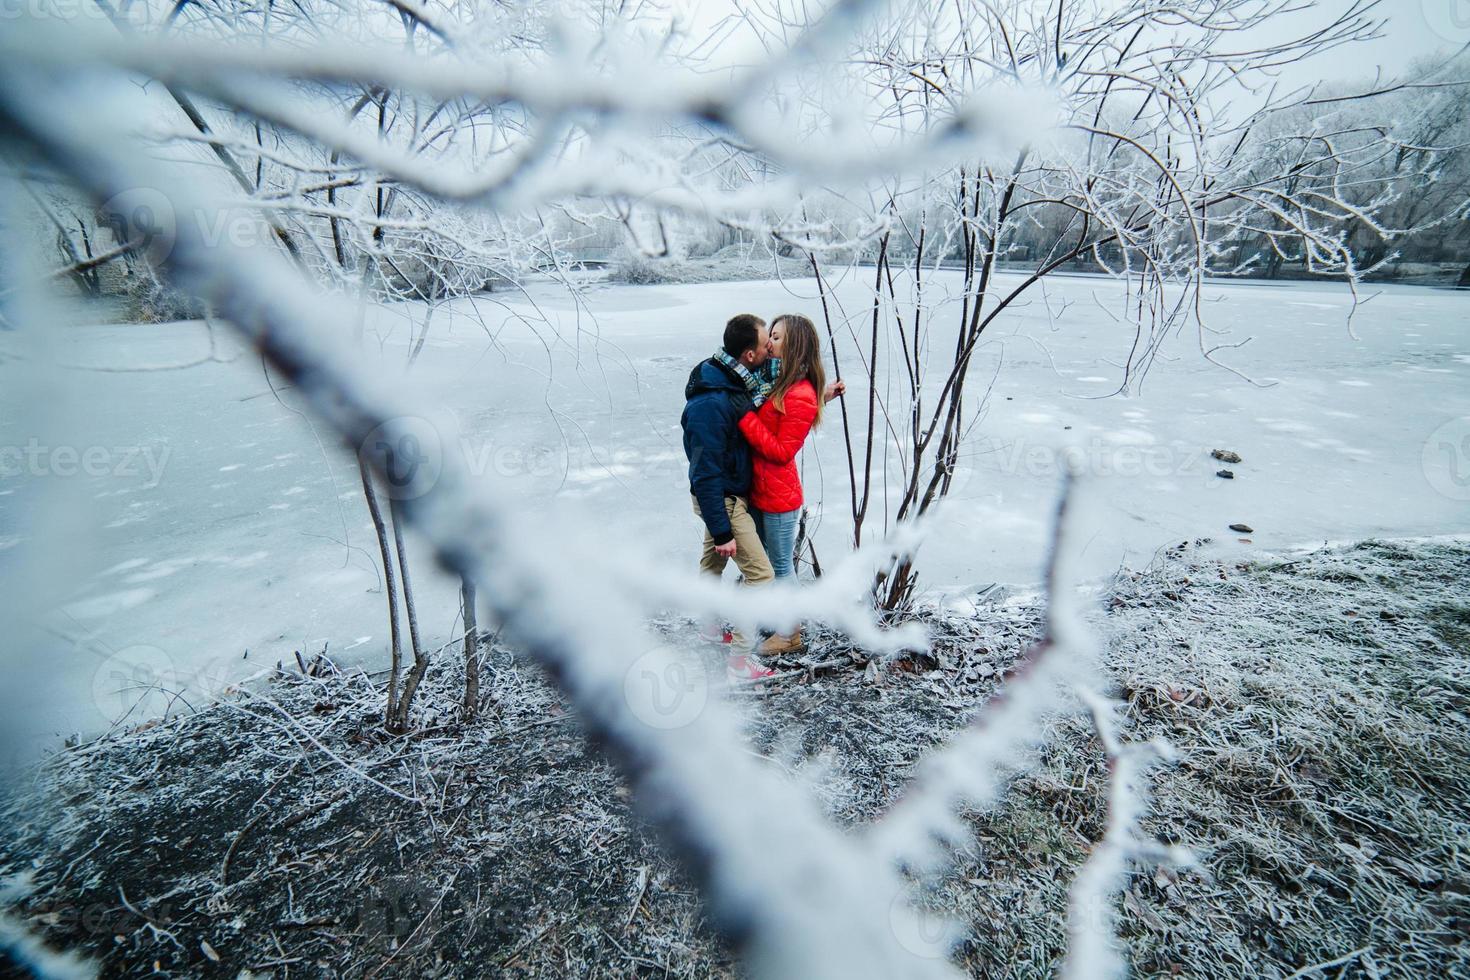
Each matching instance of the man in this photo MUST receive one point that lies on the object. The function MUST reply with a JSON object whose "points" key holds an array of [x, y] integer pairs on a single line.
{"points": [[720, 391]]}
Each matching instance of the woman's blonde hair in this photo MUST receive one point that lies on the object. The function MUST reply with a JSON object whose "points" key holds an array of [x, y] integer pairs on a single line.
{"points": [[801, 358]]}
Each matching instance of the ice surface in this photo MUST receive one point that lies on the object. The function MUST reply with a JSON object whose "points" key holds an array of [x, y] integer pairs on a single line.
{"points": [[212, 521]]}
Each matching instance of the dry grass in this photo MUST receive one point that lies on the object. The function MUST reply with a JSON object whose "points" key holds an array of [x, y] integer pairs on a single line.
{"points": [[1318, 703]]}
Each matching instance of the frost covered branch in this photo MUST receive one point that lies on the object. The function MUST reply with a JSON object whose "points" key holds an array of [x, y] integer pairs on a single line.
{"points": [[808, 901], [775, 897], [25, 951]]}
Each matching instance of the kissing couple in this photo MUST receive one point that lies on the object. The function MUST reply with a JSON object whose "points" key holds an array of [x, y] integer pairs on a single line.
{"points": [[747, 413]]}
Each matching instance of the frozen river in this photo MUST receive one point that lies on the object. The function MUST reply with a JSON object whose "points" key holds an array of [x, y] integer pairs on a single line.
{"points": [[160, 523]]}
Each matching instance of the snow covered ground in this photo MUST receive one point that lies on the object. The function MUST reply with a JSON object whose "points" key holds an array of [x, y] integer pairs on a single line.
{"points": [[169, 520]]}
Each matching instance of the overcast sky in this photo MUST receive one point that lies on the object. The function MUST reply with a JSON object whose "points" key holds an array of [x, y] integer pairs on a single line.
{"points": [[1415, 29]]}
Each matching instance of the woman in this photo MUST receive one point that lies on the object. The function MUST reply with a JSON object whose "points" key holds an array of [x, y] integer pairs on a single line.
{"points": [[776, 432]]}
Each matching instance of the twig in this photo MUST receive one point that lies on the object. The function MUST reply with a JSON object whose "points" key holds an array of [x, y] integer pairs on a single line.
{"points": [[1327, 964], [312, 810], [317, 742], [158, 931]]}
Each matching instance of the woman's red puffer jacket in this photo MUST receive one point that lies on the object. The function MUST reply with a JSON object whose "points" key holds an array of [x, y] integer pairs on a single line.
{"points": [[776, 436]]}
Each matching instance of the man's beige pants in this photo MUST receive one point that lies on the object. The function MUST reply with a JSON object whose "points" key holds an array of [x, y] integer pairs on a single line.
{"points": [[750, 554]]}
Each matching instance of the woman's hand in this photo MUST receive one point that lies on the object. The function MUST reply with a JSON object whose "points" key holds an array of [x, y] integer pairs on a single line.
{"points": [[834, 390]]}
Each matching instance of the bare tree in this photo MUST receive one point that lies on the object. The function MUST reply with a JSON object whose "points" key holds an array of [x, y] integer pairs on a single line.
{"points": [[398, 722], [471, 649], [390, 587], [1171, 147]]}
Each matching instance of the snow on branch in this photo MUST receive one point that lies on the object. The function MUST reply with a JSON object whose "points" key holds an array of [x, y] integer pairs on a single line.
{"points": [[19, 948], [23, 950], [557, 89], [778, 898], [1093, 951], [810, 901], [971, 771]]}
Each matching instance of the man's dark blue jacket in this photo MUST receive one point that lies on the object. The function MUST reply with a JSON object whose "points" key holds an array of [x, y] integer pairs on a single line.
{"points": [[715, 399]]}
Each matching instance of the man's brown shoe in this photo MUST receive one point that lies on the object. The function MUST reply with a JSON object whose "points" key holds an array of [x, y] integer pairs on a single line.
{"points": [[777, 645]]}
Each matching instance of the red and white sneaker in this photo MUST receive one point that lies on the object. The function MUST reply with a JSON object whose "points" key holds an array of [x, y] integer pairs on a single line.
{"points": [[740, 667]]}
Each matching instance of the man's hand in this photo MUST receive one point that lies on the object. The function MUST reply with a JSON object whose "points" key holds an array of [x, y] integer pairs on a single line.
{"points": [[726, 550], [834, 390]]}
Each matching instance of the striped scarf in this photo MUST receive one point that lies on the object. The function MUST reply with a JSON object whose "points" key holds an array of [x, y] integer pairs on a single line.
{"points": [[758, 383], [767, 373]]}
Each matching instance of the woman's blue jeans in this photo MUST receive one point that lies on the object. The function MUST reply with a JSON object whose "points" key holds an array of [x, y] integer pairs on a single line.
{"points": [[778, 534]]}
